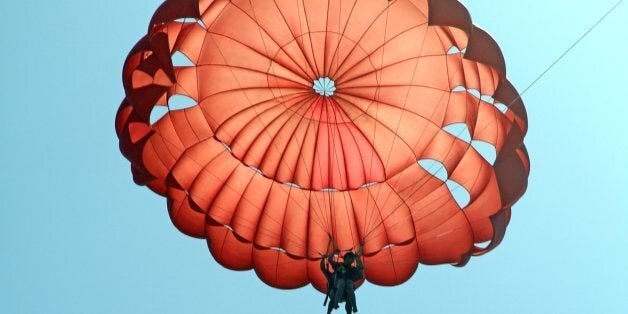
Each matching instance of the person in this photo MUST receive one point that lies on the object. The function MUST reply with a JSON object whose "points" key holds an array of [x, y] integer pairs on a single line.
{"points": [[331, 288], [341, 281]]}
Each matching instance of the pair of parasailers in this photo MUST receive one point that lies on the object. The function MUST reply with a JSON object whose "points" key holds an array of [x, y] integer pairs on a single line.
{"points": [[341, 278]]}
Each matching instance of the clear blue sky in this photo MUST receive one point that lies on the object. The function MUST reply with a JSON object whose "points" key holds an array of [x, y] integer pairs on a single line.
{"points": [[77, 236]]}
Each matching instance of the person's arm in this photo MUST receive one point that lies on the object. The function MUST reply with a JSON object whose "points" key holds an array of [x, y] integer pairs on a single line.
{"points": [[330, 258], [360, 266], [325, 269], [359, 263]]}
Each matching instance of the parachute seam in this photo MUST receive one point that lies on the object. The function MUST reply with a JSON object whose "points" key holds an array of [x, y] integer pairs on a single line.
{"points": [[263, 229], [418, 200], [377, 91], [252, 108], [185, 114], [364, 174], [185, 110], [416, 65], [429, 120], [275, 120], [283, 221], [259, 26], [354, 141], [198, 176], [385, 9], [300, 156], [237, 206], [375, 49], [247, 165], [325, 44], [396, 85], [373, 150], [292, 136], [295, 40], [332, 209], [281, 47], [341, 37], [274, 74], [340, 175], [261, 29], [284, 151], [382, 124], [416, 190], [430, 141], [307, 24], [163, 159], [302, 45]]}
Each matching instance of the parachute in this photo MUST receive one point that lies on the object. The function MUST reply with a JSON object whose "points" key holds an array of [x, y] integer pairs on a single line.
{"points": [[270, 126]]}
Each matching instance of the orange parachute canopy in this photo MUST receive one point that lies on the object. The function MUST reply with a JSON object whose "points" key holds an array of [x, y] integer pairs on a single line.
{"points": [[271, 125]]}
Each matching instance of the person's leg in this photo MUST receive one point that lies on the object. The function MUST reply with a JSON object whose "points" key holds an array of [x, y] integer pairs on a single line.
{"points": [[340, 289], [351, 295], [330, 305], [332, 297], [348, 307]]}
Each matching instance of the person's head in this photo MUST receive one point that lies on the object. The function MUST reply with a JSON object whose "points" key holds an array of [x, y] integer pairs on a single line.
{"points": [[349, 258]]}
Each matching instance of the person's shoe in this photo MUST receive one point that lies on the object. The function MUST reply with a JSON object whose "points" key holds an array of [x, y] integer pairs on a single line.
{"points": [[355, 309]]}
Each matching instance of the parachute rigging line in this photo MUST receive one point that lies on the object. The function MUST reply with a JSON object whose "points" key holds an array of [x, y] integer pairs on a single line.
{"points": [[567, 51]]}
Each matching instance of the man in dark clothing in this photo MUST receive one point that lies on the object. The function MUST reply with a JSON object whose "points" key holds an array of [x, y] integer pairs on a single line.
{"points": [[331, 289], [342, 279]]}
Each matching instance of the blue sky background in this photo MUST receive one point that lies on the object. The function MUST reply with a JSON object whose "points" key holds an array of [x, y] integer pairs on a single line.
{"points": [[77, 236]]}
